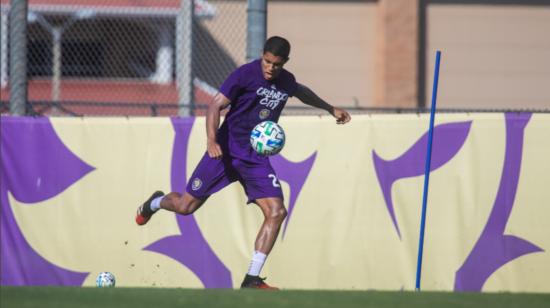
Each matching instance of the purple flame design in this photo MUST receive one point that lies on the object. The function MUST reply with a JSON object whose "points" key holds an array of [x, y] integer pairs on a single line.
{"points": [[36, 166], [190, 248], [295, 174], [494, 249], [447, 141]]}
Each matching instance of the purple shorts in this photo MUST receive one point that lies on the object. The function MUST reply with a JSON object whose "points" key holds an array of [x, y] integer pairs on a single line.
{"points": [[211, 175]]}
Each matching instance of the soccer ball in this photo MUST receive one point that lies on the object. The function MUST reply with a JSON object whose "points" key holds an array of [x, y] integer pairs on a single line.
{"points": [[267, 138], [105, 280]]}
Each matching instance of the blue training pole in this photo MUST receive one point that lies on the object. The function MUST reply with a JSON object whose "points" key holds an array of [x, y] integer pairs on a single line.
{"points": [[427, 172]]}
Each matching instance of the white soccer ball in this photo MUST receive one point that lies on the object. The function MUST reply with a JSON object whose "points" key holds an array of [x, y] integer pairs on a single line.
{"points": [[105, 280], [267, 138]]}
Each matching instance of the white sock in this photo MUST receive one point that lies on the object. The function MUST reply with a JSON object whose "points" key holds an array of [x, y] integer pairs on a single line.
{"points": [[258, 260], [155, 204]]}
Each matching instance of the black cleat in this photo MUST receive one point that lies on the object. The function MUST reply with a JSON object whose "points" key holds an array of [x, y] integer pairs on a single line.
{"points": [[144, 211], [255, 282]]}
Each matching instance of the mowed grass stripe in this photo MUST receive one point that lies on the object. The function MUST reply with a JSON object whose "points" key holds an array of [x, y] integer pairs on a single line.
{"points": [[61, 297]]}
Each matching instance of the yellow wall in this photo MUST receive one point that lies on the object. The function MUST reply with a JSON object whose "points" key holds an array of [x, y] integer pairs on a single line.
{"points": [[340, 235]]}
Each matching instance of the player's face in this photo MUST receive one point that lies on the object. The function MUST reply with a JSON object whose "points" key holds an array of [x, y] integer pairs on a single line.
{"points": [[272, 65]]}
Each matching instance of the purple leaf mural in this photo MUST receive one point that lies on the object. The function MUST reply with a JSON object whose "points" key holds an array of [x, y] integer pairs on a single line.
{"points": [[494, 249], [447, 141], [190, 248], [295, 174], [36, 166]]}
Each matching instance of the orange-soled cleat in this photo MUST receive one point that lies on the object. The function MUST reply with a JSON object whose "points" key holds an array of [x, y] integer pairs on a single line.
{"points": [[255, 282], [144, 212]]}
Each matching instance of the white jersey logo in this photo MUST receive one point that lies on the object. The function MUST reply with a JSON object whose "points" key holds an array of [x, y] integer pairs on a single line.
{"points": [[271, 98], [196, 185]]}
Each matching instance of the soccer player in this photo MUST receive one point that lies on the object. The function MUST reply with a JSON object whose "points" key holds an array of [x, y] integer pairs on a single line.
{"points": [[256, 91]]}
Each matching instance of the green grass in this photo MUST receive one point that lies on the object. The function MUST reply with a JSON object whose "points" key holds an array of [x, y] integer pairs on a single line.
{"points": [[60, 297]]}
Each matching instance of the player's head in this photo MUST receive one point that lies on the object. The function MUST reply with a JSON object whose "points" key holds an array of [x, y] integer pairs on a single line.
{"points": [[277, 46], [275, 55]]}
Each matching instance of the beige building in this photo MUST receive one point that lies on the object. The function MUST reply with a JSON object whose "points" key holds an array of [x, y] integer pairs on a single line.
{"points": [[364, 53], [495, 54]]}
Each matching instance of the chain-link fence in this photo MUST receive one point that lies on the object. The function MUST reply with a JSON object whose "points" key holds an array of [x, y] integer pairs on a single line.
{"points": [[118, 57], [131, 57]]}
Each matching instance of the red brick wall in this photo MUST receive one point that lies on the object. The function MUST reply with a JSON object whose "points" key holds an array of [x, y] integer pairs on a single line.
{"points": [[396, 53]]}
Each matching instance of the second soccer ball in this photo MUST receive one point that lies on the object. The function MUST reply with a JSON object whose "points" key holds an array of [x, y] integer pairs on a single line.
{"points": [[105, 280]]}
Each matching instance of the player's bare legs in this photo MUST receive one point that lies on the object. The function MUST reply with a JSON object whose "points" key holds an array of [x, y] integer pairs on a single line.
{"points": [[183, 205], [274, 215], [174, 202]]}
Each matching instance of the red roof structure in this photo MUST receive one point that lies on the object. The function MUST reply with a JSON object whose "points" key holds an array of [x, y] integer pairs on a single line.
{"points": [[202, 7], [129, 97]]}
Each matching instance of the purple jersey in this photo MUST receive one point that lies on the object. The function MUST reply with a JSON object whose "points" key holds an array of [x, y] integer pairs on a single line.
{"points": [[253, 100]]}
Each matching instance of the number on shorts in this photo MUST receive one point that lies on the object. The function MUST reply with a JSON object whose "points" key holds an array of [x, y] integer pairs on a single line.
{"points": [[275, 181]]}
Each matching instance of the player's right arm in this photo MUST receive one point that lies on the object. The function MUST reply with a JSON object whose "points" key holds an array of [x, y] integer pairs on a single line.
{"points": [[213, 122]]}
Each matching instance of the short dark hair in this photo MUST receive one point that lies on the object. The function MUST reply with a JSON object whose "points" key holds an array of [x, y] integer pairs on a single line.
{"points": [[278, 46]]}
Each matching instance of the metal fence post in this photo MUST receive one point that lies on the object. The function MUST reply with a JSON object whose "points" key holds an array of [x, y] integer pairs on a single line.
{"points": [[256, 28], [4, 48], [18, 57], [184, 56]]}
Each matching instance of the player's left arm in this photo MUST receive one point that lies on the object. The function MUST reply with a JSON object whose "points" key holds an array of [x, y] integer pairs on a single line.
{"points": [[308, 97]]}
